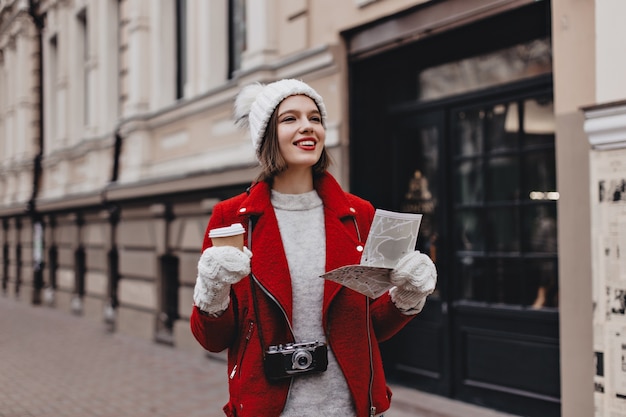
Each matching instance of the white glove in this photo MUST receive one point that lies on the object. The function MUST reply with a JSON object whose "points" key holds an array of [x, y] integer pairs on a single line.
{"points": [[219, 267], [414, 277]]}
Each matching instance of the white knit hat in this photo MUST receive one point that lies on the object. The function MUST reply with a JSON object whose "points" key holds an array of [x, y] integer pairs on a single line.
{"points": [[255, 104]]}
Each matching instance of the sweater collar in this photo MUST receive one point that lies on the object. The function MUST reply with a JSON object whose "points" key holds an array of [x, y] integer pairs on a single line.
{"points": [[295, 202], [328, 189]]}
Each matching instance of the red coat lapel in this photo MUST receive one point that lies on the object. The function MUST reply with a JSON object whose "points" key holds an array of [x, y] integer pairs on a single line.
{"points": [[269, 261]]}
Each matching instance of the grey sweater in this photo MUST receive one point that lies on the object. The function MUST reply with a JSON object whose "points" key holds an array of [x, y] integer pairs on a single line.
{"points": [[301, 224]]}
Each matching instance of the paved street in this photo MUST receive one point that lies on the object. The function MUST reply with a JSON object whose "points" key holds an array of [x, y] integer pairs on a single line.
{"points": [[55, 364]]}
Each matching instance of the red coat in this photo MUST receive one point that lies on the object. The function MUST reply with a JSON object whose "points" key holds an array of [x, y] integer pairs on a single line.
{"points": [[344, 310]]}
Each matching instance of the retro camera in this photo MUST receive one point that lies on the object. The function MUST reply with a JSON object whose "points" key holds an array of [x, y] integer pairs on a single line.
{"points": [[284, 361]]}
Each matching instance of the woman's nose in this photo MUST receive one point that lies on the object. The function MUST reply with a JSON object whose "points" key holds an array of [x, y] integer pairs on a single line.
{"points": [[306, 125]]}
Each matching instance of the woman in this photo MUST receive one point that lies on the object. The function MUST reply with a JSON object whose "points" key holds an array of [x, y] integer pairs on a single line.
{"points": [[300, 224]]}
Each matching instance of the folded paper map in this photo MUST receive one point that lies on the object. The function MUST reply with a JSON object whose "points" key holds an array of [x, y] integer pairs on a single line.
{"points": [[391, 236]]}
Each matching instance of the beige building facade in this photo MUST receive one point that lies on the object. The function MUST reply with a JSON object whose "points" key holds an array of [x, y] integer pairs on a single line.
{"points": [[498, 119]]}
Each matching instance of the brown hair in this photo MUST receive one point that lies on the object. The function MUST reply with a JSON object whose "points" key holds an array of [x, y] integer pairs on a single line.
{"points": [[272, 162]]}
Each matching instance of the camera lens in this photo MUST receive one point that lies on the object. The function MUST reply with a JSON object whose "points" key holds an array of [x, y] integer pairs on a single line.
{"points": [[301, 359]]}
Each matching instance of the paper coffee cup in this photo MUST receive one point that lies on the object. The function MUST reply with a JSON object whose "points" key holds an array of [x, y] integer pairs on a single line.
{"points": [[228, 236]]}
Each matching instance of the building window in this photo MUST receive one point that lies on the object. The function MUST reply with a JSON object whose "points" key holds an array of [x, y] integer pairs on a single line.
{"points": [[237, 35], [505, 202], [83, 50], [181, 48]]}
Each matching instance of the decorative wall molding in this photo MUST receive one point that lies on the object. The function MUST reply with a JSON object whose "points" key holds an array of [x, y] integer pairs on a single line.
{"points": [[605, 125]]}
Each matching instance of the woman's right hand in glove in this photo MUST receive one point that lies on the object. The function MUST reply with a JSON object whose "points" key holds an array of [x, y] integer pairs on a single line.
{"points": [[219, 267]]}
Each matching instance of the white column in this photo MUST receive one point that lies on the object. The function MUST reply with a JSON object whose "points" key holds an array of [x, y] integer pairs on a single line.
{"points": [[22, 137], [139, 71], [50, 57], [194, 41], [62, 85], [12, 70], [207, 45], [212, 50], [3, 109], [261, 36], [93, 63], [107, 59], [163, 63], [74, 53], [610, 58]]}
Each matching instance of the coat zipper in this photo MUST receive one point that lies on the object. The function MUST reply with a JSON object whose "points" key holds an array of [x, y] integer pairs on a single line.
{"points": [[293, 334], [243, 351]]}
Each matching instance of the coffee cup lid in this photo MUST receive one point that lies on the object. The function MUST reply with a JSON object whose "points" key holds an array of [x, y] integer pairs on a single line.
{"points": [[232, 230]]}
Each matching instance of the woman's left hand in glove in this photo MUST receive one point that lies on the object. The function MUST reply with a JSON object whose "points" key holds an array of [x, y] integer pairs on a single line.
{"points": [[414, 277]]}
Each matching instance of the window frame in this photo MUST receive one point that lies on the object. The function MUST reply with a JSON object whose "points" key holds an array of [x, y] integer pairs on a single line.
{"points": [[514, 263]]}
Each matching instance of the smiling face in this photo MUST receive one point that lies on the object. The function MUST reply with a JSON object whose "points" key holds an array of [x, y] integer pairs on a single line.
{"points": [[300, 132]]}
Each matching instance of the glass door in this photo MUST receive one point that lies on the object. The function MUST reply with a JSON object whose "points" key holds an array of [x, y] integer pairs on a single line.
{"points": [[504, 194], [503, 251]]}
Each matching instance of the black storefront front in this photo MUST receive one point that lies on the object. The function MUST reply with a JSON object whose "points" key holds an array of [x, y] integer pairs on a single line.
{"points": [[451, 115]]}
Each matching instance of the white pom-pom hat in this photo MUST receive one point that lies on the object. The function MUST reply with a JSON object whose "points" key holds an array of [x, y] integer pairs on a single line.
{"points": [[255, 104]]}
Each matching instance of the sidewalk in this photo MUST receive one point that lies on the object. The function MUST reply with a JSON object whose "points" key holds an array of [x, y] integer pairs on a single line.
{"points": [[55, 364]]}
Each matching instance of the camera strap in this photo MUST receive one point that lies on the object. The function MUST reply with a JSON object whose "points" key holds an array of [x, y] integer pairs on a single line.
{"points": [[255, 302], [255, 305]]}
